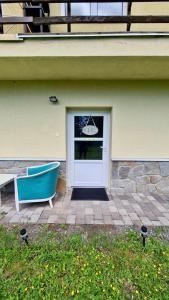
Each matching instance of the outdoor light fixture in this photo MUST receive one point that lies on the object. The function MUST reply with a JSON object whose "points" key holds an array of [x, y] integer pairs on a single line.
{"points": [[53, 100], [144, 234], [24, 235]]}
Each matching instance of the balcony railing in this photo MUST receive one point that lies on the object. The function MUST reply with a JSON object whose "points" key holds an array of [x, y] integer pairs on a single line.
{"points": [[36, 16]]}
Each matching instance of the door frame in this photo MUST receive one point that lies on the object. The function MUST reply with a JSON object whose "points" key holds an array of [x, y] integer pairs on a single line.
{"points": [[70, 135]]}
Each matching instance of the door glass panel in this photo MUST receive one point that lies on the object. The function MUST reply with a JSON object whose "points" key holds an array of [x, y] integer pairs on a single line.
{"points": [[91, 150], [88, 126]]}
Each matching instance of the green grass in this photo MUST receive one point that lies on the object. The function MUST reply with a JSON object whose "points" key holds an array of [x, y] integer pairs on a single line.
{"points": [[55, 266]]}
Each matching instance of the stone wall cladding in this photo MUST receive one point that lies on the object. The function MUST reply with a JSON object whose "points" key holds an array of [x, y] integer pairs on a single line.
{"points": [[19, 167], [140, 176], [127, 176]]}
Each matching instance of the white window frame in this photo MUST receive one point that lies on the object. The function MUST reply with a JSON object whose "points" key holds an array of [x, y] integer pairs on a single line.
{"points": [[94, 9]]}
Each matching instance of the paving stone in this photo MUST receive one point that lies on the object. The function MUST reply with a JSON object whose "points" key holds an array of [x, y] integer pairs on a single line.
{"points": [[88, 211], [164, 221], [150, 215], [42, 220], [80, 214], [118, 222], [52, 219], [156, 223], [25, 220], [96, 202], [125, 202], [137, 197], [80, 221], [127, 220], [98, 214], [151, 198], [60, 220], [11, 213], [130, 209], [5, 220], [45, 214], [98, 222], [15, 219], [141, 213], [134, 216], [160, 207], [113, 209], [71, 219], [27, 212], [123, 212], [107, 220], [137, 223], [166, 215], [34, 218], [146, 221], [6, 209], [89, 219], [137, 207], [116, 216], [106, 212]]}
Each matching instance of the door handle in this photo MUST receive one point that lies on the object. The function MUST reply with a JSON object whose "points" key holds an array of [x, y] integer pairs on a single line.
{"points": [[104, 148]]}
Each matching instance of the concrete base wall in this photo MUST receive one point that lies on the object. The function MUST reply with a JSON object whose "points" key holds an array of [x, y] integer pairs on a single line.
{"points": [[140, 176]]}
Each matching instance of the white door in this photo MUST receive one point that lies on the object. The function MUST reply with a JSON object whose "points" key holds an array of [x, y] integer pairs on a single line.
{"points": [[88, 149]]}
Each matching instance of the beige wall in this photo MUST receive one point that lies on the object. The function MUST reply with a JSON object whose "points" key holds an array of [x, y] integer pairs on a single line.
{"points": [[32, 127]]}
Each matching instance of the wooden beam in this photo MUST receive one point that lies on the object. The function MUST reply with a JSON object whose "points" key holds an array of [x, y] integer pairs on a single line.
{"points": [[101, 19], [16, 20], [84, 20], [129, 13], [78, 1]]}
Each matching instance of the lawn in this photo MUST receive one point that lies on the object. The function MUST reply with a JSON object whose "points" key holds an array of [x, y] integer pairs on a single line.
{"points": [[73, 266]]}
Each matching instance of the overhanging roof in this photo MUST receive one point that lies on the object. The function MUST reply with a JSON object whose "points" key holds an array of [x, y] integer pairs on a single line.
{"points": [[85, 58]]}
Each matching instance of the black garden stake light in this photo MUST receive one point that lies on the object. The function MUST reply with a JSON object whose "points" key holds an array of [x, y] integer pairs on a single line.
{"points": [[24, 235], [144, 234]]}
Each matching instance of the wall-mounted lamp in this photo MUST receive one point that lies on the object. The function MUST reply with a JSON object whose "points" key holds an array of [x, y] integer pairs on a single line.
{"points": [[53, 100]]}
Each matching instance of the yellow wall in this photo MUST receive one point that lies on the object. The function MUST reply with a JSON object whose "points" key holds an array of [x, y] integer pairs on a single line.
{"points": [[32, 127], [9, 10], [151, 9]]}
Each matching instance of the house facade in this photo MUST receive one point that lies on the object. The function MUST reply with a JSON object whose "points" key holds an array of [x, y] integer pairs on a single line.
{"points": [[86, 84]]}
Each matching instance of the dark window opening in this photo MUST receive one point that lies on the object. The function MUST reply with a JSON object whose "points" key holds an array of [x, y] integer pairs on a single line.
{"points": [[1, 26], [36, 9]]}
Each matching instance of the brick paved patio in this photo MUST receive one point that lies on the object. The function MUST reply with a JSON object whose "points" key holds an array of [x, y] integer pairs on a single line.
{"points": [[122, 209]]}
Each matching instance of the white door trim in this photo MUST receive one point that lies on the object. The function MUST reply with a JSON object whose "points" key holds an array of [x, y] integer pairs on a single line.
{"points": [[70, 137]]}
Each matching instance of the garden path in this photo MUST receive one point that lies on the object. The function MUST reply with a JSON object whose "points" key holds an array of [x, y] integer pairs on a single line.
{"points": [[122, 209]]}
